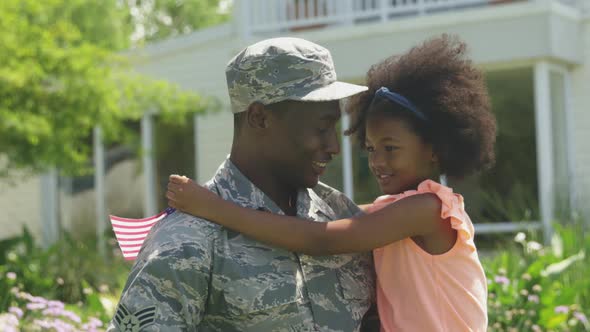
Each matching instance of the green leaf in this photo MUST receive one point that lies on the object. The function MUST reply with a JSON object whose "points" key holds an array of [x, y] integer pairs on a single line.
{"points": [[559, 267]]}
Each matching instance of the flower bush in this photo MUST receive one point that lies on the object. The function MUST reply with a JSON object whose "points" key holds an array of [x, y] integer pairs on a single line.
{"points": [[532, 287], [35, 313], [70, 287], [66, 287]]}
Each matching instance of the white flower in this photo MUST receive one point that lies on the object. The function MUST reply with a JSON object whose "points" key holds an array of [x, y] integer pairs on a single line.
{"points": [[8, 322], [520, 237], [12, 256], [534, 246]]}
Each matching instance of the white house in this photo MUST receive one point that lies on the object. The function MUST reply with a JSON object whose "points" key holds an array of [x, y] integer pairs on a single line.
{"points": [[542, 46], [536, 55]]}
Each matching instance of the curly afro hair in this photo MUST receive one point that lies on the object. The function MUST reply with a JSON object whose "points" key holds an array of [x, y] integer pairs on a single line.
{"points": [[449, 90]]}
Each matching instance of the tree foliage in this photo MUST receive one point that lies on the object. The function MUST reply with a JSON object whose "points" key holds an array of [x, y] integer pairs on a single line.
{"points": [[158, 19], [60, 77]]}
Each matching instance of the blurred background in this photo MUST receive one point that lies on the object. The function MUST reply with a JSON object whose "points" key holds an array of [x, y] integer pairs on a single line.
{"points": [[101, 100]]}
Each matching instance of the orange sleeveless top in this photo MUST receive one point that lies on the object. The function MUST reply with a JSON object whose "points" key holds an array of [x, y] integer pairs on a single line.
{"points": [[417, 291]]}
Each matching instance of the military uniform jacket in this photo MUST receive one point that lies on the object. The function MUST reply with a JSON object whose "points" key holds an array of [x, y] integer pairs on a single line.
{"points": [[193, 275]]}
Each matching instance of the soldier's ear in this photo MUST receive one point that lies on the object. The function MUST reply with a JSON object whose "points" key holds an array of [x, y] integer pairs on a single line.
{"points": [[257, 116]]}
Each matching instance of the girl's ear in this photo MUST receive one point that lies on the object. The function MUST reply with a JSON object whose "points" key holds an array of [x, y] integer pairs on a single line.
{"points": [[430, 151], [434, 158]]}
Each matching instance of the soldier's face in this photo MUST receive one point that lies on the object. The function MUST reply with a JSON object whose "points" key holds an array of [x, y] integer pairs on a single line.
{"points": [[304, 140]]}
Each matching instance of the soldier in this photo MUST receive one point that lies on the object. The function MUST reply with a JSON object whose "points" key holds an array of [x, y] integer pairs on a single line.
{"points": [[195, 275]]}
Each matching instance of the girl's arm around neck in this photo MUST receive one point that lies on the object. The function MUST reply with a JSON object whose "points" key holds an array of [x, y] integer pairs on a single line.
{"points": [[412, 216]]}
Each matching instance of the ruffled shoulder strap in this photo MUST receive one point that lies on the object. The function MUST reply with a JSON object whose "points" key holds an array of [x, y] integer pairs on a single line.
{"points": [[452, 207]]}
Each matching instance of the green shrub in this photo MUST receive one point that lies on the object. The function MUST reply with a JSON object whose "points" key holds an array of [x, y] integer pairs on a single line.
{"points": [[532, 287], [70, 272]]}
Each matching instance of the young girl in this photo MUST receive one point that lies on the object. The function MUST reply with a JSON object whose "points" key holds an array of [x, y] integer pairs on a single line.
{"points": [[426, 114]]}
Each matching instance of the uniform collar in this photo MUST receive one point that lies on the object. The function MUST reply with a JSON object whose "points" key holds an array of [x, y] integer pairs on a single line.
{"points": [[232, 185]]}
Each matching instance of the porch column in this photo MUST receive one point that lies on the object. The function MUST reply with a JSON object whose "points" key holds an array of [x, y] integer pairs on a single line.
{"points": [[196, 145], [243, 18], [544, 143], [99, 189], [347, 7], [149, 166], [384, 10], [347, 178], [563, 142], [49, 207], [570, 139]]}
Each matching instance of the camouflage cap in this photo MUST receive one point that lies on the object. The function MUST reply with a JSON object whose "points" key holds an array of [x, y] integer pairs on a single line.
{"points": [[279, 69]]}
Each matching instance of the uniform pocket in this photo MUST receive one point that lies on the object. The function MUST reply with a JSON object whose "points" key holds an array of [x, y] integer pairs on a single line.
{"points": [[264, 293], [254, 278]]}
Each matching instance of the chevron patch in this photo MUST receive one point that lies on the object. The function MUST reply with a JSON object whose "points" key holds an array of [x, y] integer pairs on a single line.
{"points": [[136, 321]]}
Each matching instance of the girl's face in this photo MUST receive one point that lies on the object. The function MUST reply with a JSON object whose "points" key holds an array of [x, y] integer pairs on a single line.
{"points": [[398, 157]]}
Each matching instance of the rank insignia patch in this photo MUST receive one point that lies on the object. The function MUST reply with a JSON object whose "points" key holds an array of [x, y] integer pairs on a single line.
{"points": [[136, 321]]}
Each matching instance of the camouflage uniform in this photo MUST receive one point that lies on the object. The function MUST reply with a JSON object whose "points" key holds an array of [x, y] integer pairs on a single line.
{"points": [[196, 275]]}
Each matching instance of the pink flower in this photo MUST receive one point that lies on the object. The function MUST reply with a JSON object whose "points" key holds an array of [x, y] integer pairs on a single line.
{"points": [[55, 324], [71, 315], [60, 325], [52, 311], [581, 317], [562, 309], [502, 280], [56, 304], [36, 306], [11, 275], [95, 322], [533, 298], [38, 299], [18, 312], [89, 328], [43, 323]]}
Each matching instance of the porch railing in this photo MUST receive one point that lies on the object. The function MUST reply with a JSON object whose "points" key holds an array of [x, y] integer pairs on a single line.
{"points": [[271, 16]]}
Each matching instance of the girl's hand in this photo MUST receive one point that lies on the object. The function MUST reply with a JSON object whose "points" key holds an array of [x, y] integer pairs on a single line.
{"points": [[189, 197]]}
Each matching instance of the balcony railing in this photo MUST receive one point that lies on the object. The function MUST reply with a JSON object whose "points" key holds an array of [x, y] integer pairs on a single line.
{"points": [[271, 16]]}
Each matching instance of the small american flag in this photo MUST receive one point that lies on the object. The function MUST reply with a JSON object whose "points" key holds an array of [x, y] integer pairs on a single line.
{"points": [[131, 233]]}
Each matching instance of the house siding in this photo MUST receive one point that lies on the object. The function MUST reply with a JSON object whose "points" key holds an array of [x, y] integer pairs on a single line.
{"points": [[20, 203]]}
